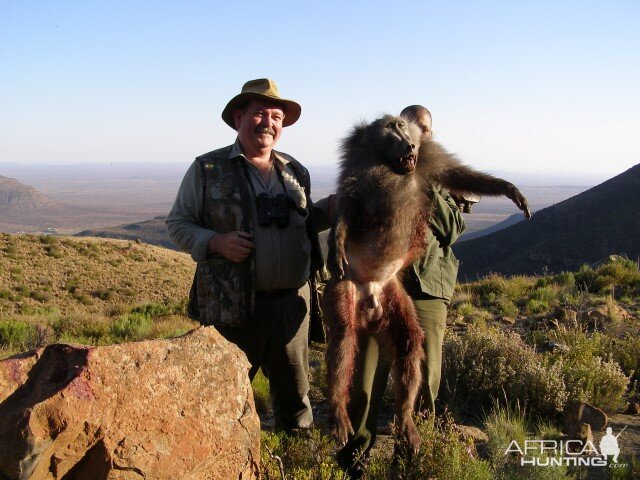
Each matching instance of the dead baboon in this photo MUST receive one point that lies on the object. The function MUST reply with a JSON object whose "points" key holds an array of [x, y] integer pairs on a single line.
{"points": [[384, 196]]}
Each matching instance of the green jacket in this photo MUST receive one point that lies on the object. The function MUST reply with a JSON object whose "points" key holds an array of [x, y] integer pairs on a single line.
{"points": [[437, 269], [223, 292]]}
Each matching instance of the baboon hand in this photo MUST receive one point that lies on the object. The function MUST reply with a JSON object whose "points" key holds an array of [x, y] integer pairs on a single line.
{"points": [[339, 264], [521, 202]]}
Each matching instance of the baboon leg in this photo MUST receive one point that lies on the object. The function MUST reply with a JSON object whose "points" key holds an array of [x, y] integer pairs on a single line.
{"points": [[341, 311], [407, 339]]}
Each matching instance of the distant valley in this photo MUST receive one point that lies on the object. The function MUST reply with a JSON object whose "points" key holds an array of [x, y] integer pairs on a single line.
{"points": [[109, 200]]}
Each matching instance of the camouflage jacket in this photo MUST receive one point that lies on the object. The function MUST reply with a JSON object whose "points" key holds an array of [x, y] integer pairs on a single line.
{"points": [[223, 292]]}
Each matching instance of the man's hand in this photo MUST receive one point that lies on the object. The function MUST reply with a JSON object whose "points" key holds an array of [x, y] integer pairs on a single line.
{"points": [[234, 246]]}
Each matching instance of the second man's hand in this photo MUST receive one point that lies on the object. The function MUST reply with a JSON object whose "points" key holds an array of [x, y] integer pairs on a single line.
{"points": [[234, 246]]}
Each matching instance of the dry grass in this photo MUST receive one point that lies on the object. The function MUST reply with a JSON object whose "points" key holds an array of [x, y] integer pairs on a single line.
{"points": [[87, 275]]}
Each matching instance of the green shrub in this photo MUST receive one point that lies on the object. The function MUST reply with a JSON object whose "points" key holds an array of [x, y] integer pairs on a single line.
{"points": [[40, 296], [505, 307], [591, 369], [105, 294], [48, 240], [566, 279], [626, 352], [71, 286], [301, 457], [131, 327], [618, 275], [53, 251], [82, 298], [81, 326], [445, 453], [17, 335], [535, 307], [158, 309], [11, 249], [503, 426], [592, 379], [484, 366], [23, 290]]}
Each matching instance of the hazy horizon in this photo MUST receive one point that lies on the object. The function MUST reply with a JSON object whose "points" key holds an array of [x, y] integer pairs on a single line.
{"points": [[540, 87]]}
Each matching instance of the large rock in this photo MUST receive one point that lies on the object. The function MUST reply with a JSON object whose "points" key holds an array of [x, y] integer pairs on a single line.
{"points": [[578, 414], [164, 409]]}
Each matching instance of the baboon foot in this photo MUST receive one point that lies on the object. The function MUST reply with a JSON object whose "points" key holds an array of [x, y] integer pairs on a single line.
{"points": [[409, 433], [342, 428]]}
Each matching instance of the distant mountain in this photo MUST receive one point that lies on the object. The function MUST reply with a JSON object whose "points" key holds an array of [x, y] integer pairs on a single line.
{"points": [[153, 232], [17, 197], [507, 222], [601, 221]]}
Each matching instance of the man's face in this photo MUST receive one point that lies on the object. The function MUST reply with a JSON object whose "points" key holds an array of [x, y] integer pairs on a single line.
{"points": [[259, 125], [424, 123]]}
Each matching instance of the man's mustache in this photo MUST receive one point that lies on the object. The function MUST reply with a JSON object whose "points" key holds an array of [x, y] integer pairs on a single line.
{"points": [[263, 130]]}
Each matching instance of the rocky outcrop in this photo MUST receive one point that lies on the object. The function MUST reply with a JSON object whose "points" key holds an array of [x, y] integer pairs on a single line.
{"points": [[578, 414], [164, 409]]}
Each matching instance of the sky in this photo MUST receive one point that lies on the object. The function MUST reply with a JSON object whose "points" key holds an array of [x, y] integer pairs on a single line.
{"points": [[540, 87]]}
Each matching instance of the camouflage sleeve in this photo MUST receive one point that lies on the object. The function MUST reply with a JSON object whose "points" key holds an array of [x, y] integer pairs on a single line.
{"points": [[446, 222], [183, 222]]}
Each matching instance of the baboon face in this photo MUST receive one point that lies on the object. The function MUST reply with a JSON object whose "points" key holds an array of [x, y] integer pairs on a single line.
{"points": [[397, 141]]}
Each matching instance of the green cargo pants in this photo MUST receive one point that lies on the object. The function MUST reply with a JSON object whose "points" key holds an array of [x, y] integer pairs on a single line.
{"points": [[277, 342], [372, 372]]}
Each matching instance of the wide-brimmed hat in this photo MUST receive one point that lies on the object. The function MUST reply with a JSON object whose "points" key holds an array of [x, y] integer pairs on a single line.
{"points": [[262, 88]]}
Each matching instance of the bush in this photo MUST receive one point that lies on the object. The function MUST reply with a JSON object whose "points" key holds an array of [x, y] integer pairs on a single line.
{"points": [[23, 290], [625, 351], [484, 366], [535, 307], [590, 368], [618, 275], [445, 453], [40, 296], [300, 458], [82, 329], [105, 294], [131, 327], [158, 309], [16, 335], [48, 240], [592, 379], [53, 251], [503, 426]]}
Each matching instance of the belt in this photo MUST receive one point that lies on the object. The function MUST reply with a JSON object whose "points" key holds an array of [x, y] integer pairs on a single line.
{"points": [[276, 293]]}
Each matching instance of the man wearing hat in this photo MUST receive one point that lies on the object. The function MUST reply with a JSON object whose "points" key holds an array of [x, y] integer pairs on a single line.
{"points": [[245, 215]]}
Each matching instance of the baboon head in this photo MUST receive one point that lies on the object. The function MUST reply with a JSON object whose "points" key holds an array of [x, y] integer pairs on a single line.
{"points": [[396, 140]]}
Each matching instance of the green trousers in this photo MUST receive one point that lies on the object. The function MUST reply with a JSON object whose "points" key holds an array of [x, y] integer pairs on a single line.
{"points": [[278, 343], [372, 371]]}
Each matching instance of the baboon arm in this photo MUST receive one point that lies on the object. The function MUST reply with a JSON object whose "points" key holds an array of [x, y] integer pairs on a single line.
{"points": [[338, 263], [464, 179]]}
